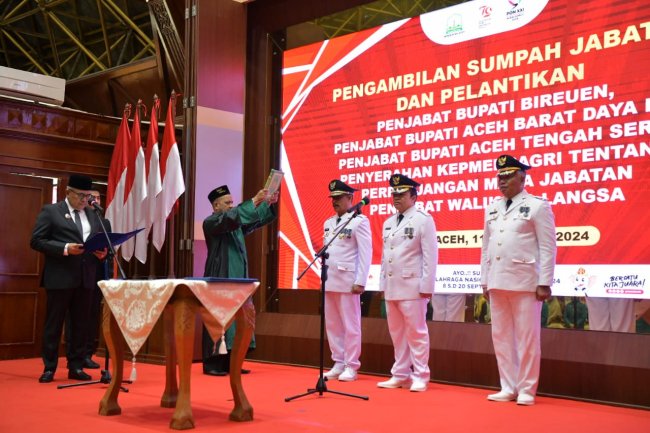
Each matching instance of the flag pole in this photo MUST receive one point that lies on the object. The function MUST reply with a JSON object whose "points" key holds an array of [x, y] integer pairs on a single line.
{"points": [[171, 229], [151, 253]]}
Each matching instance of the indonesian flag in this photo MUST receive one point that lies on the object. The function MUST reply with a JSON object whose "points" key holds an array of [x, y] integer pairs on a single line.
{"points": [[154, 184], [173, 185], [117, 174], [135, 189]]}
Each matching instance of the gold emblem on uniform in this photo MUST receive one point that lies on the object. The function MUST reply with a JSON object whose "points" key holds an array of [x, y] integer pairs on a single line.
{"points": [[396, 179], [332, 185], [501, 161]]}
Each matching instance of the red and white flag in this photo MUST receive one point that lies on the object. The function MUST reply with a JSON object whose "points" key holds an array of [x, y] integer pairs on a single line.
{"points": [[135, 190], [154, 184], [117, 174], [173, 184]]}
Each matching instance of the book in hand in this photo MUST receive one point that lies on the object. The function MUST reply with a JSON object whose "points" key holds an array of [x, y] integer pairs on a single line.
{"points": [[273, 182], [98, 241]]}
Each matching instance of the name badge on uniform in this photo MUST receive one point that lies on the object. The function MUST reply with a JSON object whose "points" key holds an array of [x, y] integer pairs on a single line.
{"points": [[524, 211]]}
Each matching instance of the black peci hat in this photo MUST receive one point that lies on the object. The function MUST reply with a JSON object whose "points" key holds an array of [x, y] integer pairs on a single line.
{"points": [[219, 191], [81, 182]]}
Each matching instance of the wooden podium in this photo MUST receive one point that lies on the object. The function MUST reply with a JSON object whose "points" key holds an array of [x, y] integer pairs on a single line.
{"points": [[132, 308]]}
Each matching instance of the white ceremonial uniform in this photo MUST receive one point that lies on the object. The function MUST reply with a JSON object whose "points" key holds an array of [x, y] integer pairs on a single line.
{"points": [[408, 268], [448, 307], [517, 255], [349, 264], [611, 314]]}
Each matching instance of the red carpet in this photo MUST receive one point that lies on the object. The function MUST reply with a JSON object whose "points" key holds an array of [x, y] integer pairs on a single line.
{"points": [[30, 407]]}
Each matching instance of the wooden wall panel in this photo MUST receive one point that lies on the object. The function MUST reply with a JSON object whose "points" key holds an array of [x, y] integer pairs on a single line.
{"points": [[18, 329], [106, 93], [221, 54], [22, 303], [581, 365]]}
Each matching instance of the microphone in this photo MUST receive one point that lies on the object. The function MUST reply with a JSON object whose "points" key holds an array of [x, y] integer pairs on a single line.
{"points": [[92, 201], [357, 207]]}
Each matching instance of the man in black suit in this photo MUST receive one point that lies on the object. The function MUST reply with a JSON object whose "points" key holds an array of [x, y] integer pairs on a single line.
{"points": [[69, 274], [103, 273]]}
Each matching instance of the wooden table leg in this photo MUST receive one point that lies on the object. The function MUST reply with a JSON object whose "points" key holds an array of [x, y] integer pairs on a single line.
{"points": [[184, 325], [245, 325], [170, 394], [113, 337]]}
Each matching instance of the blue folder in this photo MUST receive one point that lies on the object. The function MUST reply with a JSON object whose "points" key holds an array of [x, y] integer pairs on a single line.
{"points": [[98, 240]]}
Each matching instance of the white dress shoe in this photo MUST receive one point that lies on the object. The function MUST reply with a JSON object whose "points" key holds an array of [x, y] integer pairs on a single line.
{"points": [[501, 396], [394, 382], [348, 375], [333, 373], [525, 400], [419, 386]]}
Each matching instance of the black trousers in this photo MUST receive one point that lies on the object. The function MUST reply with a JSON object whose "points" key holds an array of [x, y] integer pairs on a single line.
{"points": [[60, 302], [92, 330], [212, 361]]}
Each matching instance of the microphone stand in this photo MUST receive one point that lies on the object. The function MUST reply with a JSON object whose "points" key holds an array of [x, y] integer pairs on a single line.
{"points": [[106, 374], [321, 387]]}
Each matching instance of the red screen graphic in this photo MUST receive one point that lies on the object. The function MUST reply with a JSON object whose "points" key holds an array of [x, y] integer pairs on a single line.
{"points": [[561, 86]]}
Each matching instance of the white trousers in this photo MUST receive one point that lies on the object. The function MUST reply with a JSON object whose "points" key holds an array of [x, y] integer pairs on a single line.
{"points": [[516, 325], [408, 329], [448, 308], [343, 325], [610, 314]]}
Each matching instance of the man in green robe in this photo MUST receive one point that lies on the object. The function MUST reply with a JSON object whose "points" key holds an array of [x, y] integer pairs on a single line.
{"points": [[224, 233]]}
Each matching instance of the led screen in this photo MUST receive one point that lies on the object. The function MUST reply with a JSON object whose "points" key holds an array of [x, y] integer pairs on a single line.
{"points": [[563, 86]]}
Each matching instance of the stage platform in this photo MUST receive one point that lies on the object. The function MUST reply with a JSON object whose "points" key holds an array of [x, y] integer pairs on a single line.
{"points": [[31, 407]]}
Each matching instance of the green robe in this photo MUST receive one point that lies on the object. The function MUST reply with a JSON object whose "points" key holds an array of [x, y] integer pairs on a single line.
{"points": [[227, 258]]}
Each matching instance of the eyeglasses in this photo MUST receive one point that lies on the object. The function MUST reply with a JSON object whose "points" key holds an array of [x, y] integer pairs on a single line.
{"points": [[81, 195]]}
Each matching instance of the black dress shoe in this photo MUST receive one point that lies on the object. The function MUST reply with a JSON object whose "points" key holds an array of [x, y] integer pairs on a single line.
{"points": [[215, 373], [89, 363], [46, 377], [78, 375], [244, 371]]}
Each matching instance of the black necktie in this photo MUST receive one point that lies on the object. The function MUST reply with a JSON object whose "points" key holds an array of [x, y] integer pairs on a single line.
{"points": [[338, 220], [508, 203], [400, 217], [77, 222]]}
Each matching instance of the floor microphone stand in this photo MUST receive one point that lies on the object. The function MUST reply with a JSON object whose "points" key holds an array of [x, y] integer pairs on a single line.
{"points": [[106, 374], [321, 386]]}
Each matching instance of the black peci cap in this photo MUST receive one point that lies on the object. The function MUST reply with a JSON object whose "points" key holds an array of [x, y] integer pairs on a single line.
{"points": [[219, 191], [81, 182]]}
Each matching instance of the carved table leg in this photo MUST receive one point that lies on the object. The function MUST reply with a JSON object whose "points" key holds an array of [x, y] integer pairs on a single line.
{"points": [[245, 325], [184, 333], [113, 336], [170, 394]]}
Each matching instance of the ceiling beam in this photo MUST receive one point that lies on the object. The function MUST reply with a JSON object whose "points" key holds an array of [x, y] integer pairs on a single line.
{"points": [[75, 40], [25, 52], [100, 10]]}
